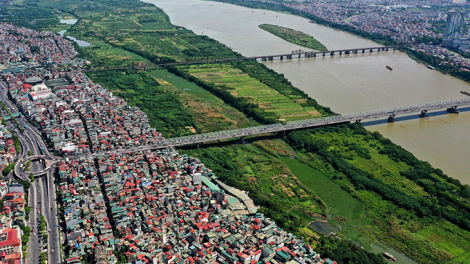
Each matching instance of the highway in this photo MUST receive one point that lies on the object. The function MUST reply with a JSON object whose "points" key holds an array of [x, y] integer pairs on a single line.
{"points": [[42, 191]]}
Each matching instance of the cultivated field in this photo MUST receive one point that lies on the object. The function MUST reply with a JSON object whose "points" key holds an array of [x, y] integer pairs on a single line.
{"points": [[241, 84]]}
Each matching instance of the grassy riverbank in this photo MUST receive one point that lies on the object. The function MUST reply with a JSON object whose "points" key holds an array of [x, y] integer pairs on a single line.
{"points": [[294, 36], [373, 188]]}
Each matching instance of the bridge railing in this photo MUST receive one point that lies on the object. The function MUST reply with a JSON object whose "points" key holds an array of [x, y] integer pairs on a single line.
{"points": [[291, 125]]}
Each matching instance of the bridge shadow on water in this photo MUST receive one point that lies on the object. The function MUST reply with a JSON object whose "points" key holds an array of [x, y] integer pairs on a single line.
{"points": [[413, 116]]}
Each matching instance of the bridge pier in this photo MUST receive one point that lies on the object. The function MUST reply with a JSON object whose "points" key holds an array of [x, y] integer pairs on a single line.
{"points": [[363, 51], [355, 52], [371, 50], [453, 110], [386, 49], [282, 133], [314, 54], [289, 56], [358, 121], [332, 53], [198, 145], [281, 58], [263, 59], [300, 55], [391, 119], [323, 54], [346, 52], [423, 114], [270, 58], [242, 140]]}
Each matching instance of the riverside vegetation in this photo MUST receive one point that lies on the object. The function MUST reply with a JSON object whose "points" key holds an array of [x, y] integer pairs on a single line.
{"points": [[373, 188], [294, 36]]}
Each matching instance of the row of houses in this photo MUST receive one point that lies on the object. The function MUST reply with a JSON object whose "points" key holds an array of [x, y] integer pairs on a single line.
{"points": [[12, 216], [18, 44], [147, 207], [163, 207], [7, 147]]}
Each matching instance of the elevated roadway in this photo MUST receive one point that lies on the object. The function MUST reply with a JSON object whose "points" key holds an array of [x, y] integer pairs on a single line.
{"points": [[422, 109], [42, 191]]}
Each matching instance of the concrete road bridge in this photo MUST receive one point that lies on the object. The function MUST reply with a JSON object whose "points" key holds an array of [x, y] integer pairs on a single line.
{"points": [[451, 107], [42, 158], [296, 53]]}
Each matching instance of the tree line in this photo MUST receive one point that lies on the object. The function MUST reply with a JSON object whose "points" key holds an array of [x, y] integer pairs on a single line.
{"points": [[421, 206]]}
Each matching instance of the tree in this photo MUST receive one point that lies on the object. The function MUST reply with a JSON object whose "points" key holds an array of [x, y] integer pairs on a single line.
{"points": [[30, 153], [31, 176]]}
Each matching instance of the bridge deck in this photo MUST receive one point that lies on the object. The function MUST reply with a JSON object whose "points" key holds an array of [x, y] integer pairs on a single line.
{"points": [[308, 123]]}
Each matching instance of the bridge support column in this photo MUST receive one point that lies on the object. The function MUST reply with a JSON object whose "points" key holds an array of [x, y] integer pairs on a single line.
{"points": [[281, 58], [386, 49], [391, 119], [289, 56], [347, 52], [358, 121], [423, 114], [378, 50], [371, 50], [314, 54], [332, 53], [340, 53], [282, 133], [363, 51], [300, 55], [453, 110], [198, 145], [270, 58], [263, 59], [323, 54], [355, 52], [242, 140]]}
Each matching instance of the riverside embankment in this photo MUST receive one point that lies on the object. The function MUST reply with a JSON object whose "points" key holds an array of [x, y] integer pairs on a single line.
{"points": [[348, 83]]}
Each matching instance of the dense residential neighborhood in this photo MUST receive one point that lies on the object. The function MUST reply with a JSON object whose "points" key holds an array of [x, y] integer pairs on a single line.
{"points": [[148, 207], [412, 23], [95, 99]]}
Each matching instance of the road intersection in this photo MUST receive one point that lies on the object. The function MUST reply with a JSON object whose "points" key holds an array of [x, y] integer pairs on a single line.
{"points": [[42, 197]]}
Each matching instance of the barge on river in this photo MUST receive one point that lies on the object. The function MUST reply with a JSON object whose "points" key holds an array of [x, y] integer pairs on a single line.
{"points": [[390, 256]]}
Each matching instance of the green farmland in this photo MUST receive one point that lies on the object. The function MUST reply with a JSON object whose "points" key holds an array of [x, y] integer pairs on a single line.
{"points": [[240, 84]]}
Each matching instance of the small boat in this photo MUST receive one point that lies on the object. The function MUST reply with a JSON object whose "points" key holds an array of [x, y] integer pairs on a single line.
{"points": [[430, 67], [311, 21], [390, 256], [388, 67]]}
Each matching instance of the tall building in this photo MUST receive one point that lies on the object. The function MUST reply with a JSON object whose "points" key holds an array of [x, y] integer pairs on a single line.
{"points": [[454, 24]]}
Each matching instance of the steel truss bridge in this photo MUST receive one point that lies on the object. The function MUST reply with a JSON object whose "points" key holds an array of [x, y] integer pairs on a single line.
{"points": [[293, 54], [241, 133]]}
